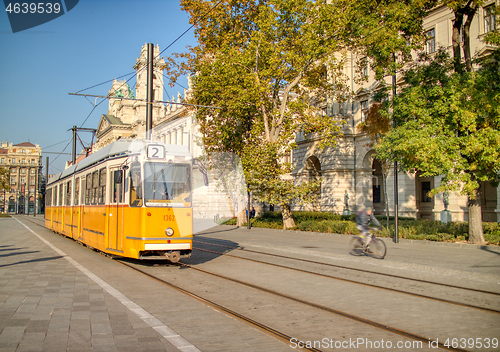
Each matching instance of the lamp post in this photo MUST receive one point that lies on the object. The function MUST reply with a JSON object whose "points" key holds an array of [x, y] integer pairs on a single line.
{"points": [[396, 196]]}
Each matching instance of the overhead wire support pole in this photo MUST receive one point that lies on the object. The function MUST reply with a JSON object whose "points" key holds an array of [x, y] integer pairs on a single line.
{"points": [[396, 195], [74, 145], [75, 130], [149, 93]]}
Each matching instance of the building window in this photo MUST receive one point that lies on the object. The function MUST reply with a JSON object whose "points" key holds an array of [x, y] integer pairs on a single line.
{"points": [[3, 160], [376, 194], [489, 18], [364, 110], [13, 160], [426, 188], [430, 46], [23, 171]]}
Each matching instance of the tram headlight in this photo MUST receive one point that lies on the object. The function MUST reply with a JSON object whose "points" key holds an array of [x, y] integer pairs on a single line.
{"points": [[169, 232]]}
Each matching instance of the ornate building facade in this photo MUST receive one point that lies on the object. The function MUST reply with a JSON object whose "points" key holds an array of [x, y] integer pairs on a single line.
{"points": [[349, 173], [24, 163]]}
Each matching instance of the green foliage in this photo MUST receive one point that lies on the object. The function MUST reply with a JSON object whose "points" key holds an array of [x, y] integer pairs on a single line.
{"points": [[269, 66], [455, 116], [329, 226]]}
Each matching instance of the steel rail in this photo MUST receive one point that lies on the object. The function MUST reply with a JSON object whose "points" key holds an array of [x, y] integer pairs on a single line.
{"points": [[356, 282], [217, 306], [353, 269], [327, 309]]}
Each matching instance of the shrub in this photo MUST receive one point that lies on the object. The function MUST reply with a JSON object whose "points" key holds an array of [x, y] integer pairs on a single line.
{"points": [[408, 228]]}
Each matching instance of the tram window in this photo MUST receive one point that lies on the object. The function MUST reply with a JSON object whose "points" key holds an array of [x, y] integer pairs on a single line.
{"points": [[77, 190], [60, 198], [95, 183], [48, 197], [117, 182], [102, 186], [68, 193], [167, 183], [135, 185], [88, 189]]}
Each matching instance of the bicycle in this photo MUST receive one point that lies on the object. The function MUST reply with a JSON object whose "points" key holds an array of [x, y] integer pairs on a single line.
{"points": [[376, 248]]}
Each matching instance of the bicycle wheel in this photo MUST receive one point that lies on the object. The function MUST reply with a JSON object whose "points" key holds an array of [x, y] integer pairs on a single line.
{"points": [[377, 248], [356, 246]]}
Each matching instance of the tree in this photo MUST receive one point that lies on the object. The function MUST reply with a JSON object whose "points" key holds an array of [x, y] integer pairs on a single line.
{"points": [[4, 178], [268, 66], [261, 63], [451, 92], [448, 123]]}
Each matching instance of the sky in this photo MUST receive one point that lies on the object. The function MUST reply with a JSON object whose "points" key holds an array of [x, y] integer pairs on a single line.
{"points": [[95, 42]]}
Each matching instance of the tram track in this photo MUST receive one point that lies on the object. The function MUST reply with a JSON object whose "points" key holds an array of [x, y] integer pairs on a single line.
{"points": [[263, 327], [268, 329], [359, 282]]}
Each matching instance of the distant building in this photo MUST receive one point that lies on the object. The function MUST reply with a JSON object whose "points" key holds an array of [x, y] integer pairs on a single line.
{"points": [[24, 162]]}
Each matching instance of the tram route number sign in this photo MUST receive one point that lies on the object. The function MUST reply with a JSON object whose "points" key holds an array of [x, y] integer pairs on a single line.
{"points": [[156, 152]]}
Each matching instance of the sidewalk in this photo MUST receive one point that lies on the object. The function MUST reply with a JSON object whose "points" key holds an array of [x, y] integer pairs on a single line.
{"points": [[48, 304]]}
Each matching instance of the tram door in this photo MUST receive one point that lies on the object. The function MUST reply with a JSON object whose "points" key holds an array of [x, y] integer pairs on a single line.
{"points": [[116, 218]]}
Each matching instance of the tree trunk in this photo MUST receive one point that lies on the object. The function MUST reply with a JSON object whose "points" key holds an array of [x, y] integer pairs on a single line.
{"points": [[471, 11], [287, 217], [455, 39], [476, 235], [242, 218], [384, 181]]}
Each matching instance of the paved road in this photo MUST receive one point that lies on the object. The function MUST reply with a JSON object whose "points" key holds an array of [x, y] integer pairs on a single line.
{"points": [[56, 295]]}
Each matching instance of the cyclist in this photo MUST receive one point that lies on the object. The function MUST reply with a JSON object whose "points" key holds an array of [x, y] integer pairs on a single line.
{"points": [[364, 218]]}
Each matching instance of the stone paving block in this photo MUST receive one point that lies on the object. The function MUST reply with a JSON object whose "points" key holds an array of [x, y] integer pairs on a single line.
{"points": [[101, 329], [79, 339], [36, 326], [32, 340]]}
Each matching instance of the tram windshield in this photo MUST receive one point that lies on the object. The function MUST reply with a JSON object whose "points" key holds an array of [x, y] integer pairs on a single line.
{"points": [[167, 185]]}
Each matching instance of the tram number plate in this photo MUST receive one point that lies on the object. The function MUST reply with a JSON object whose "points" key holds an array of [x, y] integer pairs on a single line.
{"points": [[156, 152], [169, 217]]}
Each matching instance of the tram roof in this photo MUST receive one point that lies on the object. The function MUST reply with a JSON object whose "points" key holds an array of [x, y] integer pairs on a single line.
{"points": [[118, 148]]}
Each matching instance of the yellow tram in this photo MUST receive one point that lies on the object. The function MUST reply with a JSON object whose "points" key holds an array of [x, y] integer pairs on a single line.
{"points": [[133, 198]]}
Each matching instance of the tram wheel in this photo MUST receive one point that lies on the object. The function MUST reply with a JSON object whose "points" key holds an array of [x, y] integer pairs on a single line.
{"points": [[175, 257]]}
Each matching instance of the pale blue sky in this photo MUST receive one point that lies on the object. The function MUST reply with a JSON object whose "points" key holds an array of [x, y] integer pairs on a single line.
{"points": [[95, 42]]}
